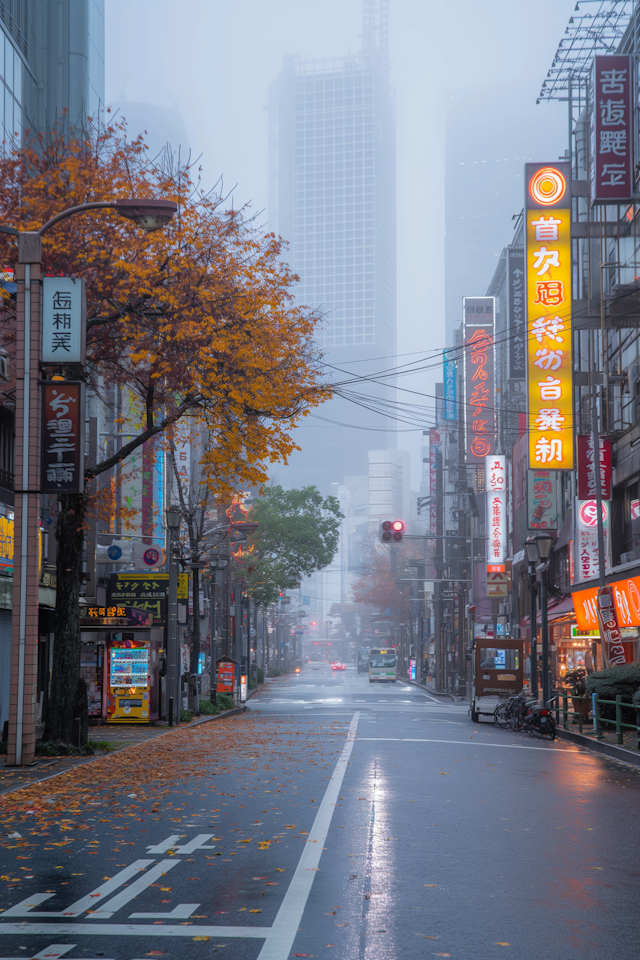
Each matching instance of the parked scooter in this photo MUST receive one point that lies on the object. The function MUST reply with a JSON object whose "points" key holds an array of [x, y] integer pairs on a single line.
{"points": [[539, 719]]}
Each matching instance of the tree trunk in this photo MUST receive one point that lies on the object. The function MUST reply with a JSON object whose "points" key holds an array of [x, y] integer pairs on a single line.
{"points": [[66, 660], [195, 634]]}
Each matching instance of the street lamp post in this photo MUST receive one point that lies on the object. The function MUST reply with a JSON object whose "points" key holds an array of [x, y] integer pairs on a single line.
{"points": [[545, 542], [150, 215], [539, 548], [531, 549]]}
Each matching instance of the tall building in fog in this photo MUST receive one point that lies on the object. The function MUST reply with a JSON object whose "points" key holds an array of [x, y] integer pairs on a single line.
{"points": [[332, 196], [490, 133], [51, 63]]}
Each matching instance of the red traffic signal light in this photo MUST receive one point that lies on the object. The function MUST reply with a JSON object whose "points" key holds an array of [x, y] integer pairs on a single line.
{"points": [[391, 530]]}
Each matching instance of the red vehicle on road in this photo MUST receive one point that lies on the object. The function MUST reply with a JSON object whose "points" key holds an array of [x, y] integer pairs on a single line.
{"points": [[336, 665]]}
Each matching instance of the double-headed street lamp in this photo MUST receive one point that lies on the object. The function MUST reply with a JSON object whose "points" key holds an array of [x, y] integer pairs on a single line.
{"points": [[538, 550], [150, 215]]}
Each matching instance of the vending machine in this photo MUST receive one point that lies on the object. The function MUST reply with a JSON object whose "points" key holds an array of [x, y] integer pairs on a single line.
{"points": [[132, 679]]}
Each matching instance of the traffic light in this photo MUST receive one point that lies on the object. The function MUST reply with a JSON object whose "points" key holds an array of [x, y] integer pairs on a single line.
{"points": [[391, 530]]}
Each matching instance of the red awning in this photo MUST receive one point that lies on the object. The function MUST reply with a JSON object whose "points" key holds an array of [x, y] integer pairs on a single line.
{"points": [[562, 610]]}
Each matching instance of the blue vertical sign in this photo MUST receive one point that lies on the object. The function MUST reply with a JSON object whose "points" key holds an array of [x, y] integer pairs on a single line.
{"points": [[450, 375]]}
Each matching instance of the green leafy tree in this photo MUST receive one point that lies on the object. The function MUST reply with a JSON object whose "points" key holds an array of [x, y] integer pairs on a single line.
{"points": [[298, 534]]}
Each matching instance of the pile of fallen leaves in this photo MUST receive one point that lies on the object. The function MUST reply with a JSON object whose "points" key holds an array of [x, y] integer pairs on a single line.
{"points": [[155, 768]]}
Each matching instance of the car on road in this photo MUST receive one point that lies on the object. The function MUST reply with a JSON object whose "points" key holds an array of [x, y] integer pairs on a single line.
{"points": [[336, 665]]}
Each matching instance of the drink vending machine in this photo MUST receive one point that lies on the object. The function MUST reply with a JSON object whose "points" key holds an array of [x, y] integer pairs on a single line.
{"points": [[132, 678]]}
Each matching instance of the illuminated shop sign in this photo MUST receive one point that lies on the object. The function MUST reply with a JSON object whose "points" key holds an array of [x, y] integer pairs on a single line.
{"points": [[548, 270]]}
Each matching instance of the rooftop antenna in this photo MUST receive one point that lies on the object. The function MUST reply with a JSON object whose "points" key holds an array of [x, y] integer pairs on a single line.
{"points": [[375, 29]]}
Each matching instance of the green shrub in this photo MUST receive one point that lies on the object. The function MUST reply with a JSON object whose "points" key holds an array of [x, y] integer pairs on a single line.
{"points": [[621, 681], [275, 672], [253, 684], [260, 675], [208, 709], [225, 701], [186, 716]]}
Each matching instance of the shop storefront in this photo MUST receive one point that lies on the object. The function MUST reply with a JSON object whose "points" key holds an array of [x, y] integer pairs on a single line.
{"points": [[123, 648]]}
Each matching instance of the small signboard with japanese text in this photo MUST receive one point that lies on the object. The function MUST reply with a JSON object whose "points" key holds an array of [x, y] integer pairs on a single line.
{"points": [[146, 592], [587, 489], [542, 500], [63, 320], [62, 437], [117, 617], [479, 377], [450, 378], [611, 129], [495, 473], [517, 314]]}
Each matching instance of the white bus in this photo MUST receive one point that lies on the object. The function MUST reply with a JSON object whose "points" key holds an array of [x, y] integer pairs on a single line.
{"points": [[382, 666]]}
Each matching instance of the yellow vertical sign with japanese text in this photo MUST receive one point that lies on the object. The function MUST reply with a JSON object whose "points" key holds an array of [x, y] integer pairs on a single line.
{"points": [[549, 341]]}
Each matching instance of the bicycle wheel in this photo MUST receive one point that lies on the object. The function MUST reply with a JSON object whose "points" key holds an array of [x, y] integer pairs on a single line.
{"points": [[501, 716]]}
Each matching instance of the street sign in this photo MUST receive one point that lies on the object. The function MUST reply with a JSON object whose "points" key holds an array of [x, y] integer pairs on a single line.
{"points": [[496, 584], [62, 437], [63, 320]]}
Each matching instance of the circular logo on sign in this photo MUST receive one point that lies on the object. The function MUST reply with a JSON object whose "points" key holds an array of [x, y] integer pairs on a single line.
{"points": [[114, 552], [547, 186], [126, 708], [588, 513], [634, 596], [151, 557]]}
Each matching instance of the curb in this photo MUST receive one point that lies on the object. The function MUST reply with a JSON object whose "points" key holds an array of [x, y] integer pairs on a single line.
{"points": [[433, 693], [600, 746], [84, 760]]}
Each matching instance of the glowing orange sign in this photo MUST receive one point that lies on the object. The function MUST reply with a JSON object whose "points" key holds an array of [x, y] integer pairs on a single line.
{"points": [[548, 268], [547, 186]]}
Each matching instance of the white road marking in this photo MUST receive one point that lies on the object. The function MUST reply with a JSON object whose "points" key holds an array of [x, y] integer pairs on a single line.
{"points": [[182, 912], [466, 743], [282, 934], [131, 930], [190, 847], [23, 909], [121, 899]]}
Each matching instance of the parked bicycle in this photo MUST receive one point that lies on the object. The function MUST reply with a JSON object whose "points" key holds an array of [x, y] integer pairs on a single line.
{"points": [[510, 713]]}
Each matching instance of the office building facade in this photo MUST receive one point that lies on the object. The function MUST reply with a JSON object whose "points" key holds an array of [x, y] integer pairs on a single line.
{"points": [[332, 198], [51, 63]]}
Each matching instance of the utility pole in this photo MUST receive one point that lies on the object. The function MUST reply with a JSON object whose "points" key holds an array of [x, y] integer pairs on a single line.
{"points": [[437, 587], [173, 518]]}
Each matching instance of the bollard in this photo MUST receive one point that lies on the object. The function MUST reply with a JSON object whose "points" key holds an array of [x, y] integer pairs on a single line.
{"points": [[596, 719], [565, 712], [170, 711], [618, 719]]}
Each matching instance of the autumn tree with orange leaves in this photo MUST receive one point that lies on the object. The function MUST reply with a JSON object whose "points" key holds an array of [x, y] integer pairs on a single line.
{"points": [[198, 319], [377, 583]]}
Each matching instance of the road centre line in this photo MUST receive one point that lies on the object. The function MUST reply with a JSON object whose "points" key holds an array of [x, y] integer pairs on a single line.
{"points": [[282, 934], [466, 743]]}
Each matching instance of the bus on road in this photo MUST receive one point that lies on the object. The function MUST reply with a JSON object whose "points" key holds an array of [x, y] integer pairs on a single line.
{"points": [[382, 666]]}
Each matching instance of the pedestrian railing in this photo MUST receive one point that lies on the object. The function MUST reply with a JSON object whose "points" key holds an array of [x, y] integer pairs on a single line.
{"points": [[593, 704]]}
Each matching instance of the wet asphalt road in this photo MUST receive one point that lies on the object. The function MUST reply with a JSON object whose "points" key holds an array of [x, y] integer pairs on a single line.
{"points": [[336, 819]]}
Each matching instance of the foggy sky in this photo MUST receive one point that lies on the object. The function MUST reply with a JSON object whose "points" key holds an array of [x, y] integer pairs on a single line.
{"points": [[211, 62]]}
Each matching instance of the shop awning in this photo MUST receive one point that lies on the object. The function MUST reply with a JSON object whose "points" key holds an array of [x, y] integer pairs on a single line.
{"points": [[562, 610]]}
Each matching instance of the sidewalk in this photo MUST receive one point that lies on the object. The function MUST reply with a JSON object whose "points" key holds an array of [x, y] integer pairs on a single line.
{"points": [[626, 752], [119, 738], [436, 693]]}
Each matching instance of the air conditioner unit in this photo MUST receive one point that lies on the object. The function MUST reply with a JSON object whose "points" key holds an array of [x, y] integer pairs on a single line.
{"points": [[628, 556]]}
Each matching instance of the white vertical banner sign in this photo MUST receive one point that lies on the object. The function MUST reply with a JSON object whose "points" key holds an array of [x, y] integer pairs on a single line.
{"points": [[63, 320], [496, 521]]}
